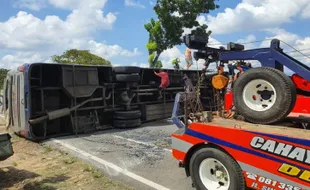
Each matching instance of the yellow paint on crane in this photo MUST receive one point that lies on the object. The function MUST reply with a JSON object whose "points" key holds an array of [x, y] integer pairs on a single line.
{"points": [[219, 82]]}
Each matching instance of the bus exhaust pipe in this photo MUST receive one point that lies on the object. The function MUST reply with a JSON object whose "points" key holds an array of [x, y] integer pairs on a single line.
{"points": [[60, 113], [51, 115]]}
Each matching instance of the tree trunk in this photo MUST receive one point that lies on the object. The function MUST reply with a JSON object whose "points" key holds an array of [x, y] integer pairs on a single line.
{"points": [[155, 60]]}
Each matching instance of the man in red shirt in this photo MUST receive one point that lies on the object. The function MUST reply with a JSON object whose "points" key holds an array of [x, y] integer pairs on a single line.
{"points": [[165, 82]]}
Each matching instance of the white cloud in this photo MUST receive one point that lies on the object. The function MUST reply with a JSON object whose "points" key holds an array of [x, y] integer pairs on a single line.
{"points": [[143, 65], [247, 45], [12, 60], [132, 3], [152, 3], [25, 31], [301, 44], [109, 51], [169, 55], [306, 12], [280, 34], [31, 39], [78, 4], [34, 5], [255, 15], [214, 43]]}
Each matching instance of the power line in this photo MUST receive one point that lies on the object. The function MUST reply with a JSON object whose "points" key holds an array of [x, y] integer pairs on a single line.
{"points": [[243, 43], [298, 50], [297, 56], [257, 41], [249, 42]]}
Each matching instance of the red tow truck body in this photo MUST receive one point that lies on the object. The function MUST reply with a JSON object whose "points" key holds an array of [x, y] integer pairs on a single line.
{"points": [[270, 157]]}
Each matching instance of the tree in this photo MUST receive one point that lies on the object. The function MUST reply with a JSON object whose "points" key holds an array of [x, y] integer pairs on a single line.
{"points": [[176, 63], [80, 57], [3, 73], [173, 17]]}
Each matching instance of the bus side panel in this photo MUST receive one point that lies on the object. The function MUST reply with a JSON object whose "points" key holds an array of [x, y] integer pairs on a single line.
{"points": [[268, 161], [22, 121], [26, 133], [17, 101]]}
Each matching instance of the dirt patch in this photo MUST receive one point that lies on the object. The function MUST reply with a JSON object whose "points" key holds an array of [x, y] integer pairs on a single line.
{"points": [[3, 128], [35, 166]]}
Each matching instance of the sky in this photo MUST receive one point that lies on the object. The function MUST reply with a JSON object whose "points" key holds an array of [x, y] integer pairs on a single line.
{"points": [[34, 30]]}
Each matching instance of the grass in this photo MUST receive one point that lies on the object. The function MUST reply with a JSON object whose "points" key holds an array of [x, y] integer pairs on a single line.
{"points": [[69, 160], [95, 172], [37, 167], [47, 149]]}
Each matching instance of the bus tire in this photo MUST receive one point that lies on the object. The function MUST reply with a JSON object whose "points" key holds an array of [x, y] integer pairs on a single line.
{"points": [[126, 124], [264, 95], [125, 115], [126, 70], [209, 162], [127, 78]]}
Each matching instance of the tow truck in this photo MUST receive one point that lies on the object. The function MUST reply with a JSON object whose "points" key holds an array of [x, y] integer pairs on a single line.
{"points": [[268, 147]]}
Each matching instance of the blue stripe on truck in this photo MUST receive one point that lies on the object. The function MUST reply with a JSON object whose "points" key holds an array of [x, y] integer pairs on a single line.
{"points": [[236, 147], [288, 139]]}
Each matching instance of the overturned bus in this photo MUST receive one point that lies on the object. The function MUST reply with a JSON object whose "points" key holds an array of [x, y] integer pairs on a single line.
{"points": [[43, 100]]}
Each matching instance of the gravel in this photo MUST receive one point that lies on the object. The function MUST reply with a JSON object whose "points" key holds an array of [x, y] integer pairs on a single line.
{"points": [[142, 145]]}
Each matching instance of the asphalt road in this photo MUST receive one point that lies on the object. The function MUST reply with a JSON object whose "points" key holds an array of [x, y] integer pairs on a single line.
{"points": [[139, 157]]}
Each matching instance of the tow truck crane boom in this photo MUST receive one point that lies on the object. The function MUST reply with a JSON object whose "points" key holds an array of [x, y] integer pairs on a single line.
{"points": [[228, 154]]}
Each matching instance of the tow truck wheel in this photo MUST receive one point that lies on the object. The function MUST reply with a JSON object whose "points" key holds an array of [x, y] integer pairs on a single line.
{"points": [[212, 169], [264, 95]]}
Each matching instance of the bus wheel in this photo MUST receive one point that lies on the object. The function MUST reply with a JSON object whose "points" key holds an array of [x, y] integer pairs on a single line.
{"points": [[212, 169], [125, 115], [123, 124], [126, 69], [127, 78]]}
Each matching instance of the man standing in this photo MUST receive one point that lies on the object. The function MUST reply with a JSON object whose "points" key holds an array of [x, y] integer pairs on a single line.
{"points": [[188, 58], [165, 82]]}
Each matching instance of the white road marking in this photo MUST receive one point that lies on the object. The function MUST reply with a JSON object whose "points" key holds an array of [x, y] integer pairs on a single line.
{"points": [[112, 166], [140, 142]]}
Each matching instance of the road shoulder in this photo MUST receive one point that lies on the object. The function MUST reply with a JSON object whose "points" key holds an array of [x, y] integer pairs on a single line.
{"points": [[39, 166]]}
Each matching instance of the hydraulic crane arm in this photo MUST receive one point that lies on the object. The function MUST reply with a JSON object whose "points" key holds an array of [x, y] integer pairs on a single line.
{"points": [[268, 57]]}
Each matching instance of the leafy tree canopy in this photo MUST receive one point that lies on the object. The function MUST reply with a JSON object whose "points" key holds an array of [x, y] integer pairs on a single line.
{"points": [[176, 63], [173, 17], [80, 57], [3, 73]]}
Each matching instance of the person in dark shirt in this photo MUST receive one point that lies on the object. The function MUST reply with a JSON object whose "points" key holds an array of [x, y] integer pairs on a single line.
{"points": [[165, 82]]}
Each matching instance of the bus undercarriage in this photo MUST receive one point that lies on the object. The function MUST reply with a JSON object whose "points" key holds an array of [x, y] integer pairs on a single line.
{"points": [[46, 100]]}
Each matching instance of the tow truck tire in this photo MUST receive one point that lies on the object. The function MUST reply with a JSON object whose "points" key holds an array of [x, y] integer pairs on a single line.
{"points": [[202, 167], [127, 78], [126, 70], [125, 115], [126, 124], [264, 95]]}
